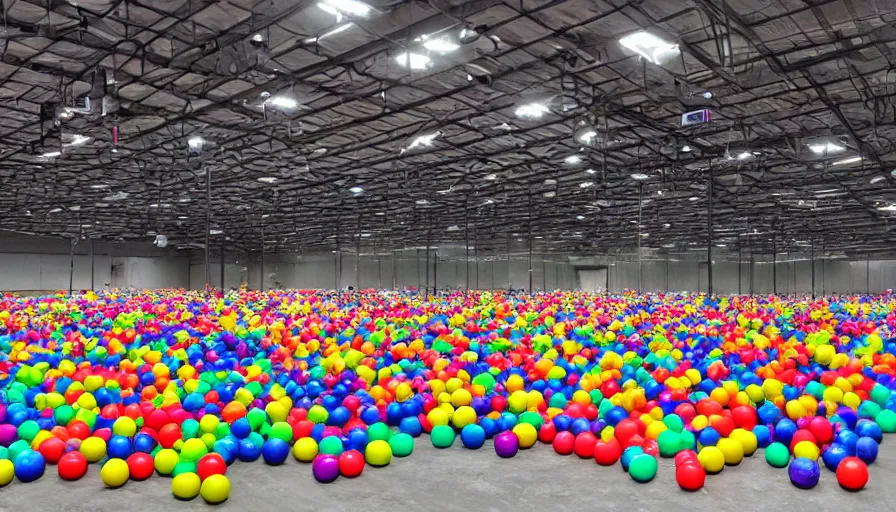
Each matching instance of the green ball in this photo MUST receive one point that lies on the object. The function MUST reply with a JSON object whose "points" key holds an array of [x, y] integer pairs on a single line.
{"points": [[223, 430], [669, 443], [674, 423], [4, 453], [402, 444], [63, 414], [257, 417], [28, 430], [331, 445], [777, 455], [281, 430], [318, 414], [189, 429], [558, 400], [868, 409], [18, 447], [532, 418], [442, 436], [880, 394], [887, 421], [379, 431], [688, 440], [183, 466], [642, 468]]}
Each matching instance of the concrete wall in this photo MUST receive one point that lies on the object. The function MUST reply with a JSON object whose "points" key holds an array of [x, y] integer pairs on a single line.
{"points": [[50, 272], [141, 273]]}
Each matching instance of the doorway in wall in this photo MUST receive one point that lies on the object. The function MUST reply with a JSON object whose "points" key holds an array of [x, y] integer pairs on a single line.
{"points": [[592, 279]]}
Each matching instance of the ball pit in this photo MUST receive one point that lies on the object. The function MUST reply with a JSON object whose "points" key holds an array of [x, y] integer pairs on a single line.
{"points": [[184, 385]]}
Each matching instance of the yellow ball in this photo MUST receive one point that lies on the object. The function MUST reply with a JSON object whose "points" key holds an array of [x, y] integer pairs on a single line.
{"points": [[514, 383], [461, 397], [437, 417], [526, 434], [746, 439], [305, 449], [732, 450], [215, 489], [186, 486], [124, 426], [712, 459], [165, 460], [378, 453], [93, 449], [463, 416], [276, 412], [655, 429], [517, 402], [115, 473], [7, 471], [806, 449], [208, 424], [403, 392]]}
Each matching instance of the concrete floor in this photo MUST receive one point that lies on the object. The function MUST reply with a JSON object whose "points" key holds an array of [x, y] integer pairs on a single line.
{"points": [[457, 479]]}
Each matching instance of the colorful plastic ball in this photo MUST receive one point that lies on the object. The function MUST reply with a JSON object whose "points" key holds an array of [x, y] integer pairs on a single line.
{"points": [[712, 459], [186, 486], [249, 451], [305, 449], [351, 463], [746, 439], [211, 464], [607, 453], [708, 437], [403, 444], [378, 453], [183, 466], [140, 466], [331, 445], [325, 468], [165, 461], [628, 454], [72, 466], [584, 445], [526, 434], [866, 449], [442, 436], [763, 436], [378, 432], [506, 444], [732, 449], [215, 489], [472, 436], [806, 450], [564, 443], [690, 476], [276, 450], [124, 426], [852, 473], [642, 467], [833, 456], [8, 471], [52, 449], [119, 447], [804, 473], [547, 432], [93, 448], [777, 455], [29, 465], [115, 473], [144, 443]]}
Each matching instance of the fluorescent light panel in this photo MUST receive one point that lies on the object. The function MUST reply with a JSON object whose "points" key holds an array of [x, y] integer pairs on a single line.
{"points": [[649, 46]]}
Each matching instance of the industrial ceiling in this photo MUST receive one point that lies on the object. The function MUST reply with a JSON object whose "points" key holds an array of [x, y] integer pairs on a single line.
{"points": [[318, 122]]}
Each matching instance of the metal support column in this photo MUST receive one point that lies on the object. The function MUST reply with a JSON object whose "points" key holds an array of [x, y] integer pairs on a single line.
{"points": [[71, 267], [709, 236], [358, 257], [92, 266], [222, 265], [867, 275], [544, 274], [208, 228], [740, 263], [476, 255], [261, 286], [813, 268], [752, 271], [435, 273], [467, 242], [529, 236], [640, 191], [775, 262], [394, 277], [419, 283], [428, 242]]}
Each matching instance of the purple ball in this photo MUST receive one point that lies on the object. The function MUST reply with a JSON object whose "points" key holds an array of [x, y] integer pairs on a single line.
{"points": [[506, 444], [325, 468], [804, 473], [8, 434]]}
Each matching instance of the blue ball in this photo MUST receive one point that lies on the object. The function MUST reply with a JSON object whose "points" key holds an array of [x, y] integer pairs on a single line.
{"points": [[849, 416], [866, 449], [490, 426], [29, 465], [507, 421], [769, 413], [628, 455], [709, 437], [339, 416], [144, 443], [833, 455], [411, 426], [868, 428], [763, 436], [274, 451], [614, 416], [562, 422], [579, 425], [370, 415], [393, 414], [473, 436], [119, 447], [804, 473], [784, 431], [848, 439], [357, 440], [241, 428], [249, 451]]}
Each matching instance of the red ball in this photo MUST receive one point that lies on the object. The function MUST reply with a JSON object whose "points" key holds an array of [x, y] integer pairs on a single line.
{"points": [[79, 430], [564, 442], [723, 425], [584, 445], [744, 417], [822, 429], [624, 430], [852, 473], [52, 449], [156, 419], [302, 429], [606, 454], [351, 463], [547, 432], [690, 476], [72, 466], [650, 447], [211, 464], [141, 465], [169, 434], [685, 456], [802, 435], [575, 410]]}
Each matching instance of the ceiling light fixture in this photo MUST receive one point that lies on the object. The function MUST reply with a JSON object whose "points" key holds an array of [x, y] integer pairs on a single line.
{"points": [[98, 186], [550, 194], [685, 149], [640, 176], [693, 199], [490, 177], [877, 179], [79, 140], [580, 217], [51, 154], [267, 179], [745, 155], [413, 60], [338, 29], [216, 232], [195, 143], [283, 102], [573, 159], [649, 46], [586, 184], [590, 171], [887, 208], [440, 45], [356, 190], [847, 161], [340, 7], [424, 140], [531, 111], [422, 202], [826, 148], [587, 137]]}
